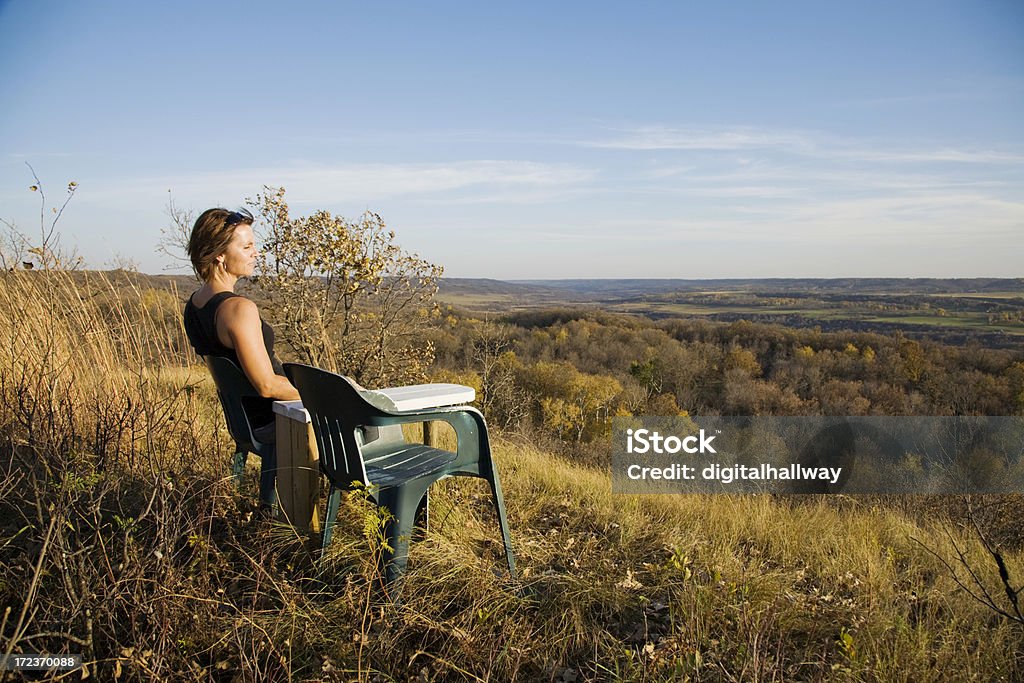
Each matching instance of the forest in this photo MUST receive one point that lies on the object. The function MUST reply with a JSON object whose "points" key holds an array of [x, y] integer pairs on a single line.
{"points": [[566, 372]]}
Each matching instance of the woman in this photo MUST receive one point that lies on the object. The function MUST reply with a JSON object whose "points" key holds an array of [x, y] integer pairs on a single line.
{"points": [[219, 322]]}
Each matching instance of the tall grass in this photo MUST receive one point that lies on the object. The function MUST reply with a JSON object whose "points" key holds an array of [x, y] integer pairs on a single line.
{"points": [[107, 450], [121, 539]]}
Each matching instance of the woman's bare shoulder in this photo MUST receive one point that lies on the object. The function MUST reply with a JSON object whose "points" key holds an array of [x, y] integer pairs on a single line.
{"points": [[237, 308]]}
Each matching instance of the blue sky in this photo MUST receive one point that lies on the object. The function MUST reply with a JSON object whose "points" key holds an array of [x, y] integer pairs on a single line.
{"points": [[538, 140]]}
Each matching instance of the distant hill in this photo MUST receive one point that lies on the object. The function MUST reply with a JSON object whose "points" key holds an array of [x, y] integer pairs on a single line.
{"points": [[633, 287], [989, 311], [456, 285], [581, 290]]}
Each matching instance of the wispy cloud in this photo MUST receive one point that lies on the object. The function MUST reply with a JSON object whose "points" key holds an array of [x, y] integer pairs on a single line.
{"points": [[967, 156], [669, 171], [926, 218], [723, 139], [29, 156], [325, 184], [794, 142], [923, 213], [982, 86], [760, 195], [419, 136], [820, 182]]}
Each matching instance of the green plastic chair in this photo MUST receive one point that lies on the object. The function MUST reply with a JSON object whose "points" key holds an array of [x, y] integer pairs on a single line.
{"points": [[232, 388], [399, 473]]}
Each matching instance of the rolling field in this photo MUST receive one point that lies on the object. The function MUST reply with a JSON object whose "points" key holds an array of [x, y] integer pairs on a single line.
{"points": [[991, 312]]}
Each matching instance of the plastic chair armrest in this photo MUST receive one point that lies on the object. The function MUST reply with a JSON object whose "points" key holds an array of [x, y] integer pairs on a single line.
{"points": [[472, 443]]}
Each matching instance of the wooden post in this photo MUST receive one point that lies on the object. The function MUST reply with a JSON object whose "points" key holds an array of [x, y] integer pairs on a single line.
{"points": [[298, 474]]}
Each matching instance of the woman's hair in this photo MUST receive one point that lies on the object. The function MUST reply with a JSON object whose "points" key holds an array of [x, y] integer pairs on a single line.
{"points": [[210, 237]]}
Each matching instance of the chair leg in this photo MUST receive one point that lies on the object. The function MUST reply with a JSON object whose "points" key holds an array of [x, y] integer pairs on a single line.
{"points": [[333, 502], [499, 506], [402, 502], [238, 465], [268, 478], [422, 518]]}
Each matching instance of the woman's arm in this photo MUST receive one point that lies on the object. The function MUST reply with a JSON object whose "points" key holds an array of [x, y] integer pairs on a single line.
{"points": [[239, 321]]}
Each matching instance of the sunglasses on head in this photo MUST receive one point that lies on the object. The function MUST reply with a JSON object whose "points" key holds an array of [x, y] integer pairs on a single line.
{"points": [[236, 218]]}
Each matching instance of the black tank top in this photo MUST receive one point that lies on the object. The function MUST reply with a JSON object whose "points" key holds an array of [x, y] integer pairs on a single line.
{"points": [[201, 328]]}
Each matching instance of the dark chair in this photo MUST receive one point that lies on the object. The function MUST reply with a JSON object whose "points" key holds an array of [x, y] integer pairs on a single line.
{"points": [[233, 387], [398, 473]]}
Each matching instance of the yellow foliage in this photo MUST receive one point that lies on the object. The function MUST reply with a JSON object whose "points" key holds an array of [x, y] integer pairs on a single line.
{"points": [[343, 295], [571, 400], [466, 378], [805, 352], [742, 359]]}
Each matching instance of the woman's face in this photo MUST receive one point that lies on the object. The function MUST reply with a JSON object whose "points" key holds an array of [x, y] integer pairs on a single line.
{"points": [[239, 258]]}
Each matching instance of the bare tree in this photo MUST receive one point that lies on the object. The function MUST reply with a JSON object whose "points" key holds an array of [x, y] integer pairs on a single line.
{"points": [[174, 236], [970, 577], [501, 399], [47, 253]]}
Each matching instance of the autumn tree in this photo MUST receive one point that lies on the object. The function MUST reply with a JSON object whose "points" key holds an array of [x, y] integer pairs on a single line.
{"points": [[574, 405], [343, 295], [1015, 377], [501, 399]]}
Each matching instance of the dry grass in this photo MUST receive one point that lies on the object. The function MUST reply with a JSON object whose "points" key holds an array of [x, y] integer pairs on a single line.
{"points": [[121, 539], [761, 588]]}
